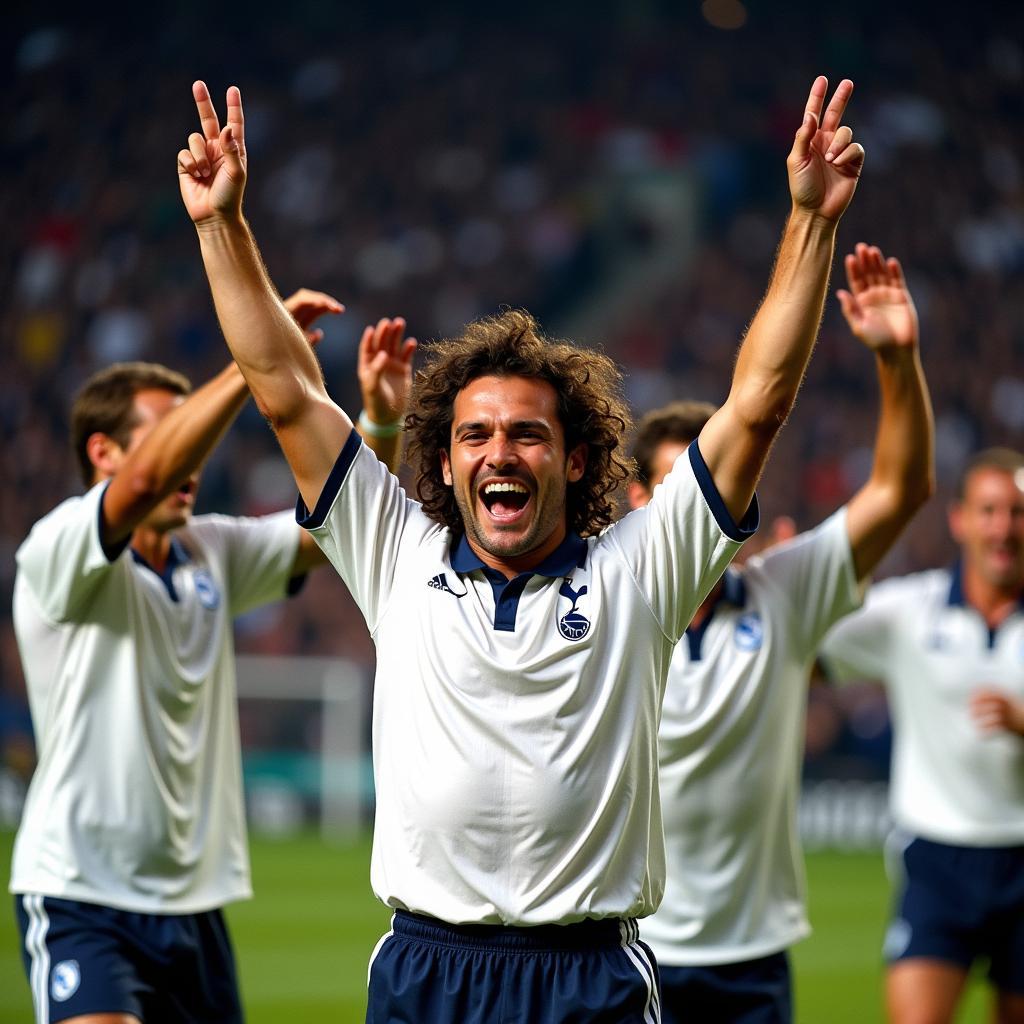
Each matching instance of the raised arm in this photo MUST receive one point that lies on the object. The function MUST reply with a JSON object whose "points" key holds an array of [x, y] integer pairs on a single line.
{"points": [[385, 380], [169, 455], [823, 165], [182, 440], [880, 311], [269, 347]]}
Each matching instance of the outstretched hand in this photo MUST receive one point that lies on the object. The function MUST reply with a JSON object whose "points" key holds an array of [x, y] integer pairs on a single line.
{"points": [[307, 306], [878, 307], [825, 163], [211, 172], [385, 370]]}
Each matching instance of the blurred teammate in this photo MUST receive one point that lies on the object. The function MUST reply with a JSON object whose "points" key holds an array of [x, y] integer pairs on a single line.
{"points": [[730, 742], [522, 652], [949, 644], [133, 833]]}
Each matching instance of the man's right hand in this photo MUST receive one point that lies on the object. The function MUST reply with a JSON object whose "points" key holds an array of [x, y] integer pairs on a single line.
{"points": [[878, 306], [824, 163], [212, 171]]}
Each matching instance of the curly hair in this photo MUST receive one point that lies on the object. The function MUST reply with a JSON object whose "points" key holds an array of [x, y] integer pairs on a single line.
{"points": [[591, 409]]}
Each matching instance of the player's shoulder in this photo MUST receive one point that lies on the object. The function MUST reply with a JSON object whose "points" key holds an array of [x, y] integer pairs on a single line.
{"points": [[213, 529], [913, 590], [79, 508]]}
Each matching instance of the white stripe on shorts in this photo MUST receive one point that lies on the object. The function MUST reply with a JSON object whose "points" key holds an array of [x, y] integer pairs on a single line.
{"points": [[640, 959], [39, 955], [376, 949]]}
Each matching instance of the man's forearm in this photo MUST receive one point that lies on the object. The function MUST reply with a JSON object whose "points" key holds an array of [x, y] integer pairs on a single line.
{"points": [[902, 476], [904, 459], [188, 434], [778, 344], [268, 346]]}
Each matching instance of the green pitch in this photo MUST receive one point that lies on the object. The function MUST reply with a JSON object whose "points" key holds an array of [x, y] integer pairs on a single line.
{"points": [[304, 941]]}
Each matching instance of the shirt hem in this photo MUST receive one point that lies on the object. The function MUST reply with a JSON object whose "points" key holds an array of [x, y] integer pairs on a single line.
{"points": [[719, 956], [998, 840], [131, 906]]}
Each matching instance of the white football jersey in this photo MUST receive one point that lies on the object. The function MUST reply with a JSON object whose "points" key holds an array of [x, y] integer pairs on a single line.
{"points": [[951, 783], [136, 801], [515, 722], [730, 749]]}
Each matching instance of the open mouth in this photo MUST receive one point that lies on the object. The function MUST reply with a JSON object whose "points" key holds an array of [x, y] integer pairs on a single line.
{"points": [[505, 500]]}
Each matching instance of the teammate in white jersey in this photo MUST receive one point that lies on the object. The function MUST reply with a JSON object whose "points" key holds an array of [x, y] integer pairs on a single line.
{"points": [[133, 832], [522, 652], [949, 645], [730, 742]]}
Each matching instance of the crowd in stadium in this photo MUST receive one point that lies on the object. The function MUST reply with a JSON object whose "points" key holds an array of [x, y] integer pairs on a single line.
{"points": [[403, 191], [624, 179]]}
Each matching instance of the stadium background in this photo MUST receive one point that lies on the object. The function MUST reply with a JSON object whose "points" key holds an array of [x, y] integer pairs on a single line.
{"points": [[618, 169]]}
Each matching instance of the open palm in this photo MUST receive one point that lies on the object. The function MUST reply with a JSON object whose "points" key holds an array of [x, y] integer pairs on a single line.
{"points": [[385, 370], [211, 172], [878, 306]]}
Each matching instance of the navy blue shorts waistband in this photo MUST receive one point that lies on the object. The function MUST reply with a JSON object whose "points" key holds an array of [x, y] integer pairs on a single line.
{"points": [[581, 936]]}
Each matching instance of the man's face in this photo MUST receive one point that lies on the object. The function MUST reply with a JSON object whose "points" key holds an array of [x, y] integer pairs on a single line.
{"points": [[988, 524], [508, 467], [152, 405]]}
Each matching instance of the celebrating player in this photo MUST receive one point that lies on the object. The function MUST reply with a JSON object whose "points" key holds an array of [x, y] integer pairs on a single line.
{"points": [[133, 833], [731, 734], [522, 652], [949, 645]]}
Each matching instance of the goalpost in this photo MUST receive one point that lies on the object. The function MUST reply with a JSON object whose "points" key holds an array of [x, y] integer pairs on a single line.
{"points": [[329, 700]]}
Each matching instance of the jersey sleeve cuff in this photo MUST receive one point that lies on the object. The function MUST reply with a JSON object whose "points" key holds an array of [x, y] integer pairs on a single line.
{"points": [[747, 526], [114, 551], [312, 520]]}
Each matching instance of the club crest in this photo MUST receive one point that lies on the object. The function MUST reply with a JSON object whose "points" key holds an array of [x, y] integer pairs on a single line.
{"points": [[64, 980], [206, 590], [749, 632], [573, 625]]}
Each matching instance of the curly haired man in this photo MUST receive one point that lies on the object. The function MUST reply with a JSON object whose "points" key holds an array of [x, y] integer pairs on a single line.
{"points": [[522, 648]]}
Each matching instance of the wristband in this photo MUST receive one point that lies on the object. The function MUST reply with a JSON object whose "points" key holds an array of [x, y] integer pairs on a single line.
{"points": [[379, 429]]}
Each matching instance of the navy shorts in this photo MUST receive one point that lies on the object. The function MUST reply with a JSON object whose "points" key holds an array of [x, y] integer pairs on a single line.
{"points": [[164, 968], [594, 972], [752, 992], [961, 904]]}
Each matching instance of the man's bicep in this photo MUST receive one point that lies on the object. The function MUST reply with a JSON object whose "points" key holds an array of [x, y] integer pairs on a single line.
{"points": [[311, 443], [873, 526], [735, 456]]}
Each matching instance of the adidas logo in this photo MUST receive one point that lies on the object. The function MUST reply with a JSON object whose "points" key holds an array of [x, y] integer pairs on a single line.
{"points": [[440, 583]]}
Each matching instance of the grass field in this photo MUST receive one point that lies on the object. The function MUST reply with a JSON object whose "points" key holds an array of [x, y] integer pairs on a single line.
{"points": [[303, 942]]}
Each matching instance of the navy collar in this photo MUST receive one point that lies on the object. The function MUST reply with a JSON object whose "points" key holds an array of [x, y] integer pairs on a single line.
{"points": [[178, 555], [957, 598], [569, 555], [734, 589]]}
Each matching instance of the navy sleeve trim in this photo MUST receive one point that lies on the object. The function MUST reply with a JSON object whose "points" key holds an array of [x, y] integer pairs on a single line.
{"points": [[747, 526], [114, 551], [310, 521]]}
